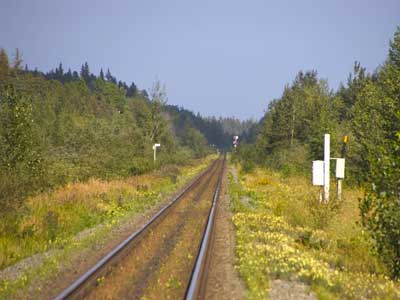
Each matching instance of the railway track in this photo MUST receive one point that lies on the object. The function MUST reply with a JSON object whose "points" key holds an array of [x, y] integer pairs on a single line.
{"points": [[167, 257]]}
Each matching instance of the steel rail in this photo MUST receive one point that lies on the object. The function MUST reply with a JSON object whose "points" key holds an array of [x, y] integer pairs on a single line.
{"points": [[197, 283], [91, 273]]}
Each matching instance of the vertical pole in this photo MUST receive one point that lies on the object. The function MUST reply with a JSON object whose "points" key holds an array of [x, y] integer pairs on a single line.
{"points": [[327, 157], [339, 189], [155, 149]]}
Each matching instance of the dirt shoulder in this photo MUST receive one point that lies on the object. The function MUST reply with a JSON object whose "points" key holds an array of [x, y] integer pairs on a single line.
{"points": [[81, 261], [78, 261], [223, 280]]}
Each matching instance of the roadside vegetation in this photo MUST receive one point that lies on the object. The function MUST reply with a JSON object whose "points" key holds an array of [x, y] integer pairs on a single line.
{"points": [[63, 126], [76, 155], [290, 136], [284, 232], [71, 216]]}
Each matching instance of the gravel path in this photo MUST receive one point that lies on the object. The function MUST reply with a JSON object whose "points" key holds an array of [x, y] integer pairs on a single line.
{"points": [[290, 290], [16, 270], [223, 280]]}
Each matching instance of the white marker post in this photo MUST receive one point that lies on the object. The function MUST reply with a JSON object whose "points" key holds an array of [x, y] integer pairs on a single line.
{"points": [[339, 175], [318, 175], [155, 150], [235, 141], [327, 157]]}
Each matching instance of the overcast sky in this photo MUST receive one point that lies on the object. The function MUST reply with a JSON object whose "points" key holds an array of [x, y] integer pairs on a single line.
{"points": [[220, 57]]}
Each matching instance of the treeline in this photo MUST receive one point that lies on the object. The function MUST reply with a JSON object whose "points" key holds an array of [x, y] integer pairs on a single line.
{"points": [[367, 109], [59, 127], [218, 132]]}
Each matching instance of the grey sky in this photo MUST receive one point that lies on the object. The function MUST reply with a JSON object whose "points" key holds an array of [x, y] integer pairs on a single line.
{"points": [[221, 57]]}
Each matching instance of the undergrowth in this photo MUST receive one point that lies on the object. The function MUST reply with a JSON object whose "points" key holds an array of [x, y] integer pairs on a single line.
{"points": [[51, 223], [283, 231]]}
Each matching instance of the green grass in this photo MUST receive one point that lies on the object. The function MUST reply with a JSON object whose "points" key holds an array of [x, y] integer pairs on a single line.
{"points": [[283, 231]]}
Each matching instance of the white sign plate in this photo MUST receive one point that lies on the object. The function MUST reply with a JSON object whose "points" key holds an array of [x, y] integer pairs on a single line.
{"points": [[318, 172], [340, 168]]}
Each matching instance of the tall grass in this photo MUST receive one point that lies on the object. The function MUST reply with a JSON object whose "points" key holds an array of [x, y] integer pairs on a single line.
{"points": [[50, 220], [283, 231]]}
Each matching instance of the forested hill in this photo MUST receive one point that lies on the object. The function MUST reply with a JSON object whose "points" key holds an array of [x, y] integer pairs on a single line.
{"points": [[218, 132], [64, 126]]}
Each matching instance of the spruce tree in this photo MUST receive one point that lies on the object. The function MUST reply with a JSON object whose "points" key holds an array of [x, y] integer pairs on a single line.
{"points": [[101, 74], [4, 65], [110, 78], [132, 90], [85, 73], [17, 63]]}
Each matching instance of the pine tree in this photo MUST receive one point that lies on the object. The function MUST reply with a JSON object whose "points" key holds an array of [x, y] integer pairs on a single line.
{"points": [[101, 74], [85, 73], [75, 75], [59, 75], [4, 65], [68, 75], [110, 78], [132, 90], [4, 62], [17, 63], [60, 70]]}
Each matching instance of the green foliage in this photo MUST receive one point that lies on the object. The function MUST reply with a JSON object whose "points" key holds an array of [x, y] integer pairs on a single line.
{"points": [[377, 126], [367, 110], [4, 65], [60, 127], [53, 220], [21, 161], [283, 231], [293, 127]]}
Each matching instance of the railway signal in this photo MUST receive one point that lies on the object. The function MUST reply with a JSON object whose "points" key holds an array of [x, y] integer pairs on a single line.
{"points": [[235, 141], [155, 146], [344, 146], [321, 169], [340, 164]]}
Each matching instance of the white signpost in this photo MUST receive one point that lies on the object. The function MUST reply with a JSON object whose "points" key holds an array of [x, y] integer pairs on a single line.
{"points": [[155, 150], [235, 141], [327, 159], [318, 175], [318, 172], [339, 176], [321, 171]]}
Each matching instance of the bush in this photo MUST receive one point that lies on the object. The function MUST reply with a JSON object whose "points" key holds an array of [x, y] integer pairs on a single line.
{"points": [[380, 208]]}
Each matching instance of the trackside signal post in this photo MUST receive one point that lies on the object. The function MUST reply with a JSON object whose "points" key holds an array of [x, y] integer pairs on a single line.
{"points": [[327, 158], [235, 141], [321, 169], [155, 146], [340, 163]]}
